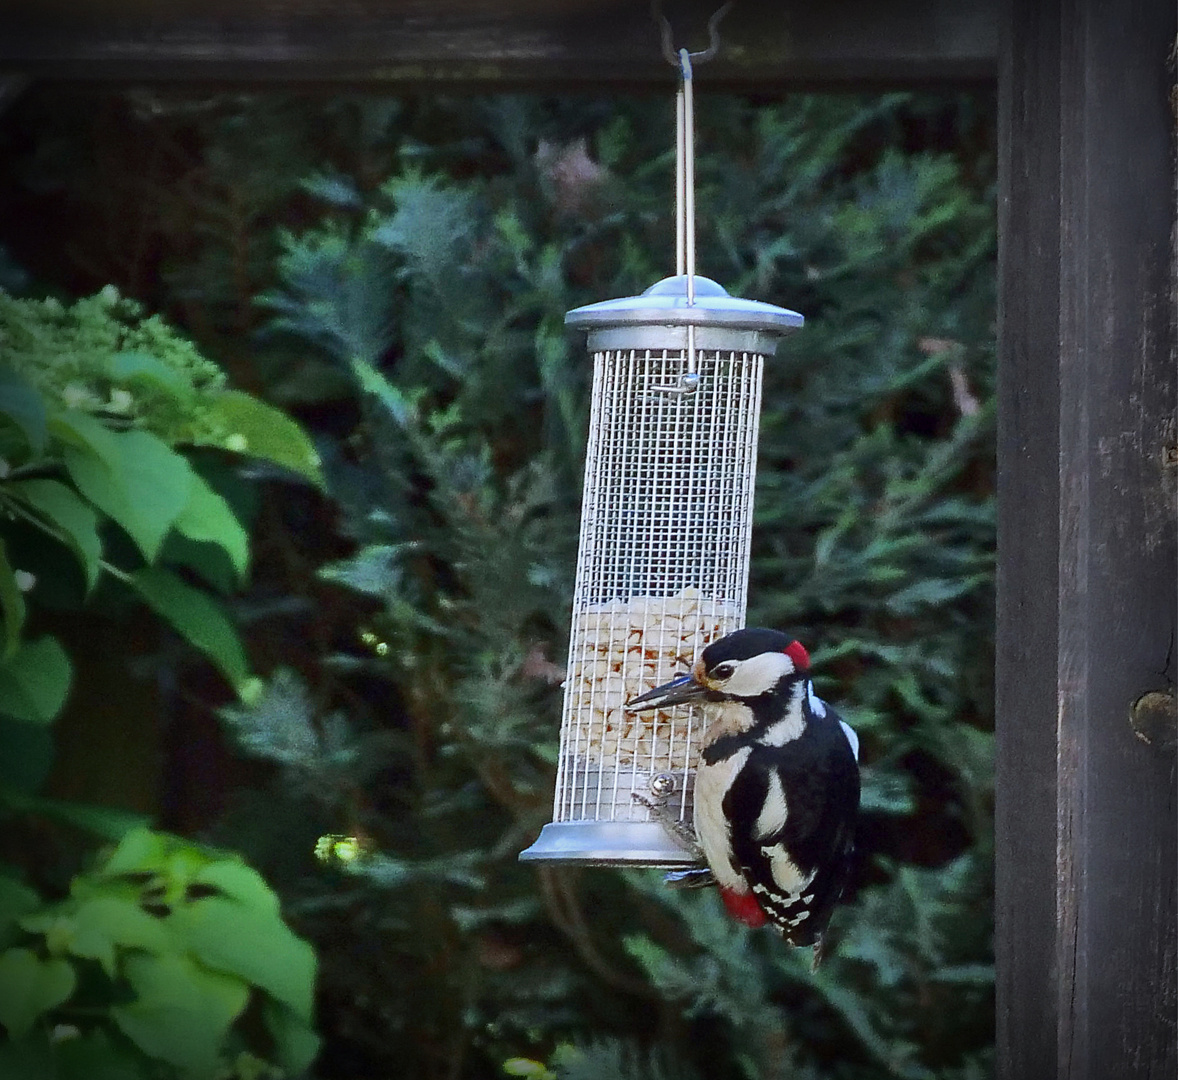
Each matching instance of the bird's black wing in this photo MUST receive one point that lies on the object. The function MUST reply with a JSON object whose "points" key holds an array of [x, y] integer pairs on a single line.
{"points": [[820, 777]]}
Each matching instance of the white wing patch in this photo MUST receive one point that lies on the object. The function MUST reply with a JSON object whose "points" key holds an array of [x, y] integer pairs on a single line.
{"points": [[817, 705], [852, 738], [772, 817], [787, 875]]}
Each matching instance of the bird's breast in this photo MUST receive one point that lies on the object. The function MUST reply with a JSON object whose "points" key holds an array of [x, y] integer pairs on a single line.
{"points": [[711, 826]]}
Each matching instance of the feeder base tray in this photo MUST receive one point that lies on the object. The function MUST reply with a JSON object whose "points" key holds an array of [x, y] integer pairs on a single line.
{"points": [[607, 843]]}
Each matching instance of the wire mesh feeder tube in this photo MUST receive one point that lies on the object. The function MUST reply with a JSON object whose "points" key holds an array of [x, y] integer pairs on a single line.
{"points": [[663, 558]]}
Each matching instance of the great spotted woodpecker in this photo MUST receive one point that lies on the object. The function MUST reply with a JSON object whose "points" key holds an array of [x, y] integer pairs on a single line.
{"points": [[777, 788]]}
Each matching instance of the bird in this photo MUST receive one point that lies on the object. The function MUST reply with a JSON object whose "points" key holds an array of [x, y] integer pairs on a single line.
{"points": [[777, 785]]}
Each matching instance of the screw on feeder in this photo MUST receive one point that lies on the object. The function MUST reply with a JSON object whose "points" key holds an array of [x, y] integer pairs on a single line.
{"points": [[663, 554], [662, 784]]}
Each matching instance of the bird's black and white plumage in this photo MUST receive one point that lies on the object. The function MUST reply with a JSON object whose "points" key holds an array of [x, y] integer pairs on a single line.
{"points": [[777, 787]]}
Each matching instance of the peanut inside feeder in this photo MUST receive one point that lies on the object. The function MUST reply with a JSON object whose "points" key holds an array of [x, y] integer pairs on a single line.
{"points": [[625, 649]]}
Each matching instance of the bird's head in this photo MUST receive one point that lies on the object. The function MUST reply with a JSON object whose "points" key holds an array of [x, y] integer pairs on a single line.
{"points": [[742, 666]]}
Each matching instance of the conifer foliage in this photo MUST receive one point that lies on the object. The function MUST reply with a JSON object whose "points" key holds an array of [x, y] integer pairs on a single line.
{"points": [[400, 285]]}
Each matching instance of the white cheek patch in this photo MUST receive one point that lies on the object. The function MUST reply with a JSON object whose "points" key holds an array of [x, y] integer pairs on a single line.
{"points": [[758, 675]]}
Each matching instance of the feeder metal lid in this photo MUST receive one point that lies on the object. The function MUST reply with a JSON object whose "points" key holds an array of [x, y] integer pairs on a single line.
{"points": [[665, 304]]}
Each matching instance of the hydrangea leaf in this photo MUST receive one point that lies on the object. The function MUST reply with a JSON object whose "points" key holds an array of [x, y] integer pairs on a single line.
{"points": [[254, 945], [75, 522], [295, 1041], [23, 406], [183, 1011], [198, 618], [35, 681], [208, 518], [131, 476], [138, 368], [253, 427], [29, 987], [241, 883]]}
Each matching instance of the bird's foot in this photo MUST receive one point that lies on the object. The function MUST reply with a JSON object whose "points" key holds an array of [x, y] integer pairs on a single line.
{"points": [[679, 831], [695, 877]]}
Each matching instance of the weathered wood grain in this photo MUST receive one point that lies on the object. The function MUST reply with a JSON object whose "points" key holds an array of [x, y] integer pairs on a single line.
{"points": [[527, 43], [1087, 816]]}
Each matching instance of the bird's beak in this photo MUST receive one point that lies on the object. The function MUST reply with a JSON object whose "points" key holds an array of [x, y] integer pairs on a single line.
{"points": [[679, 691]]}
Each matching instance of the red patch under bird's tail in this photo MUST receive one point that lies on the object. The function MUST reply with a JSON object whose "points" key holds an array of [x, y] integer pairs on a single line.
{"points": [[743, 907]]}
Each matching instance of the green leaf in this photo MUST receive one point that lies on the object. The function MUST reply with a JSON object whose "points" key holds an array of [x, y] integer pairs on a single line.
{"points": [[966, 974], [132, 368], [30, 987], [75, 521], [103, 821], [13, 604], [183, 1012], [16, 901], [133, 477], [97, 926], [35, 682], [254, 945], [80, 430], [198, 617], [374, 569], [260, 430], [399, 405], [209, 562], [295, 1041], [22, 404], [529, 1068], [241, 883], [933, 591], [208, 518], [140, 851]]}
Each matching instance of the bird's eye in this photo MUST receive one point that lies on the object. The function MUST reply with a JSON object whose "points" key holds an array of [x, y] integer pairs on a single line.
{"points": [[722, 671]]}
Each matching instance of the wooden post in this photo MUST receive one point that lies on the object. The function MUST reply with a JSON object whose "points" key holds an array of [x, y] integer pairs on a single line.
{"points": [[1087, 820]]}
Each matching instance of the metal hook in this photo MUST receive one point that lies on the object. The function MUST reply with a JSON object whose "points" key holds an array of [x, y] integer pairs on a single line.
{"points": [[670, 53], [689, 380]]}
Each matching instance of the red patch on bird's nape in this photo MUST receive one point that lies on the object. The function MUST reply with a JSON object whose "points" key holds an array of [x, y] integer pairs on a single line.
{"points": [[743, 907], [796, 651]]}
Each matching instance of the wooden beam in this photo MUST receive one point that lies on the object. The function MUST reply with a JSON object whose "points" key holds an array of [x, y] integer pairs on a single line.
{"points": [[1087, 810], [508, 43]]}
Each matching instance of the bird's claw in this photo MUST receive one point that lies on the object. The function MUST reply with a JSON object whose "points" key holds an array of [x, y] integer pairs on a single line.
{"points": [[679, 831], [695, 877]]}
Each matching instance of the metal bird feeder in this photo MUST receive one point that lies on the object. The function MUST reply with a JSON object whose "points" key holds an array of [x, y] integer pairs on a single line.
{"points": [[663, 557]]}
